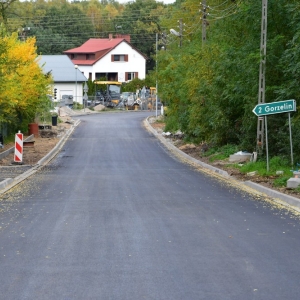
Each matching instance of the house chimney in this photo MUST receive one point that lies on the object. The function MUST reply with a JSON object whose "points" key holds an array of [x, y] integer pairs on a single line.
{"points": [[124, 36], [110, 36]]}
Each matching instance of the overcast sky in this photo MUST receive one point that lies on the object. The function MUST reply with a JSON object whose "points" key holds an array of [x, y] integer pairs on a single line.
{"points": [[164, 1]]}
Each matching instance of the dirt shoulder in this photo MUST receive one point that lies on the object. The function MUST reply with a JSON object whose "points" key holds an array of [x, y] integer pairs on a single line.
{"points": [[196, 151], [41, 146]]}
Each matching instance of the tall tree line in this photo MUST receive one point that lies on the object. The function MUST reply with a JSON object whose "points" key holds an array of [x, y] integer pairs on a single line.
{"points": [[211, 87]]}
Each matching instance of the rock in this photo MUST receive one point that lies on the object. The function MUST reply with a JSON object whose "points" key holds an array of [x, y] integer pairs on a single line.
{"points": [[293, 183], [252, 173], [240, 157], [187, 146], [99, 107], [167, 134], [178, 134]]}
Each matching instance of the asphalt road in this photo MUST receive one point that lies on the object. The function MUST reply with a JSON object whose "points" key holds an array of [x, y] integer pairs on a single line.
{"points": [[116, 216]]}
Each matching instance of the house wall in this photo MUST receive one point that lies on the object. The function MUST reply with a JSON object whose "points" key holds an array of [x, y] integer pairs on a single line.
{"points": [[136, 64], [70, 89]]}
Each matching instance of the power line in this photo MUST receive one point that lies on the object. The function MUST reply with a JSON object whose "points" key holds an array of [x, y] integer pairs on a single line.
{"points": [[100, 21]]}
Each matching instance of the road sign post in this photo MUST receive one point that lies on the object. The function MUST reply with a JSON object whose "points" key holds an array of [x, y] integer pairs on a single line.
{"points": [[272, 108], [266, 109]]}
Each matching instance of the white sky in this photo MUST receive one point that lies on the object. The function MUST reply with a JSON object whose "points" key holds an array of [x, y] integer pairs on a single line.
{"points": [[164, 1]]}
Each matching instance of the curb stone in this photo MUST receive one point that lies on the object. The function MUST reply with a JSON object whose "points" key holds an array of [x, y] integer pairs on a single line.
{"points": [[276, 196]]}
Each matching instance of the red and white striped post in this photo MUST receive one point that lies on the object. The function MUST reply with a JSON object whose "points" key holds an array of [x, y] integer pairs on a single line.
{"points": [[18, 147]]}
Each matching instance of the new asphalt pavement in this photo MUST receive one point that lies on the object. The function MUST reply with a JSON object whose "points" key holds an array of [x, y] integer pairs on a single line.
{"points": [[116, 213]]}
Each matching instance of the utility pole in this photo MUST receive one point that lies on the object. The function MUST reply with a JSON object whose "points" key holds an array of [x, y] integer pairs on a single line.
{"points": [[204, 22], [164, 40], [156, 85], [180, 32], [262, 75], [22, 33]]}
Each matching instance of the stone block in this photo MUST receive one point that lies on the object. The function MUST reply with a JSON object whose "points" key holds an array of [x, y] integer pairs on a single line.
{"points": [[293, 183], [296, 174], [240, 157]]}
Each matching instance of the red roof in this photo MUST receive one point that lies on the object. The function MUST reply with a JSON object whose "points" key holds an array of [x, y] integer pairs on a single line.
{"points": [[96, 45], [99, 47]]}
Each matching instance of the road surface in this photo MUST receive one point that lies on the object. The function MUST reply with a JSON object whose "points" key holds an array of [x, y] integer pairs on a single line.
{"points": [[116, 216]]}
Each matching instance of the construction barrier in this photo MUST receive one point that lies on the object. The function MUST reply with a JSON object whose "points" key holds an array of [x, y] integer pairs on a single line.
{"points": [[18, 157]]}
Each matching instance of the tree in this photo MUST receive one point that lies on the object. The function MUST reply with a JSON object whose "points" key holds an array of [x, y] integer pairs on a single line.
{"points": [[23, 86], [61, 28], [6, 8], [140, 19]]}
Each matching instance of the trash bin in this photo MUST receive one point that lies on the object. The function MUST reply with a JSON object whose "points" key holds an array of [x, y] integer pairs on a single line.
{"points": [[33, 128], [54, 120], [1, 141]]}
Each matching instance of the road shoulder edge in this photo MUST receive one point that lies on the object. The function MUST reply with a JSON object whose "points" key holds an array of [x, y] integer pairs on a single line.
{"points": [[9, 183], [275, 196]]}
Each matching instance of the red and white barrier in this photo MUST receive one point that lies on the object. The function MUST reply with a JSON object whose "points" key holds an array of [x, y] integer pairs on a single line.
{"points": [[18, 147]]}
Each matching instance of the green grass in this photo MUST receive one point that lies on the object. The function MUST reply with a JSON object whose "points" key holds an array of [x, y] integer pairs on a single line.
{"points": [[281, 180], [276, 163], [221, 153], [159, 120]]}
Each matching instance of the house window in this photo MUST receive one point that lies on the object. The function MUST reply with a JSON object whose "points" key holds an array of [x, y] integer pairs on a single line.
{"points": [[90, 56], [119, 57], [130, 75]]}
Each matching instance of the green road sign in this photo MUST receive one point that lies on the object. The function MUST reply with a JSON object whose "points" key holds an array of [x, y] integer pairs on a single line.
{"points": [[272, 108]]}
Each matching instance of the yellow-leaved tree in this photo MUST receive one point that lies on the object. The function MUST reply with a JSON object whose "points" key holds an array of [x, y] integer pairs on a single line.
{"points": [[23, 86]]}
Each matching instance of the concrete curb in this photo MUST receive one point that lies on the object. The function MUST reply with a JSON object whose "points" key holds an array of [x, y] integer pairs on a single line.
{"points": [[276, 196], [290, 200], [8, 183], [59, 145], [12, 149]]}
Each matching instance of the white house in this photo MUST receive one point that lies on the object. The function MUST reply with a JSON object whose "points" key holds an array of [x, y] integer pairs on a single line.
{"points": [[68, 80], [113, 58]]}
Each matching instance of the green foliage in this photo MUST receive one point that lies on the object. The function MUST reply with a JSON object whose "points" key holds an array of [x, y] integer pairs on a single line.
{"points": [[171, 123], [141, 18], [212, 88], [209, 88], [23, 87], [72, 28], [91, 88], [221, 153], [77, 105], [281, 180], [275, 164], [133, 85]]}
